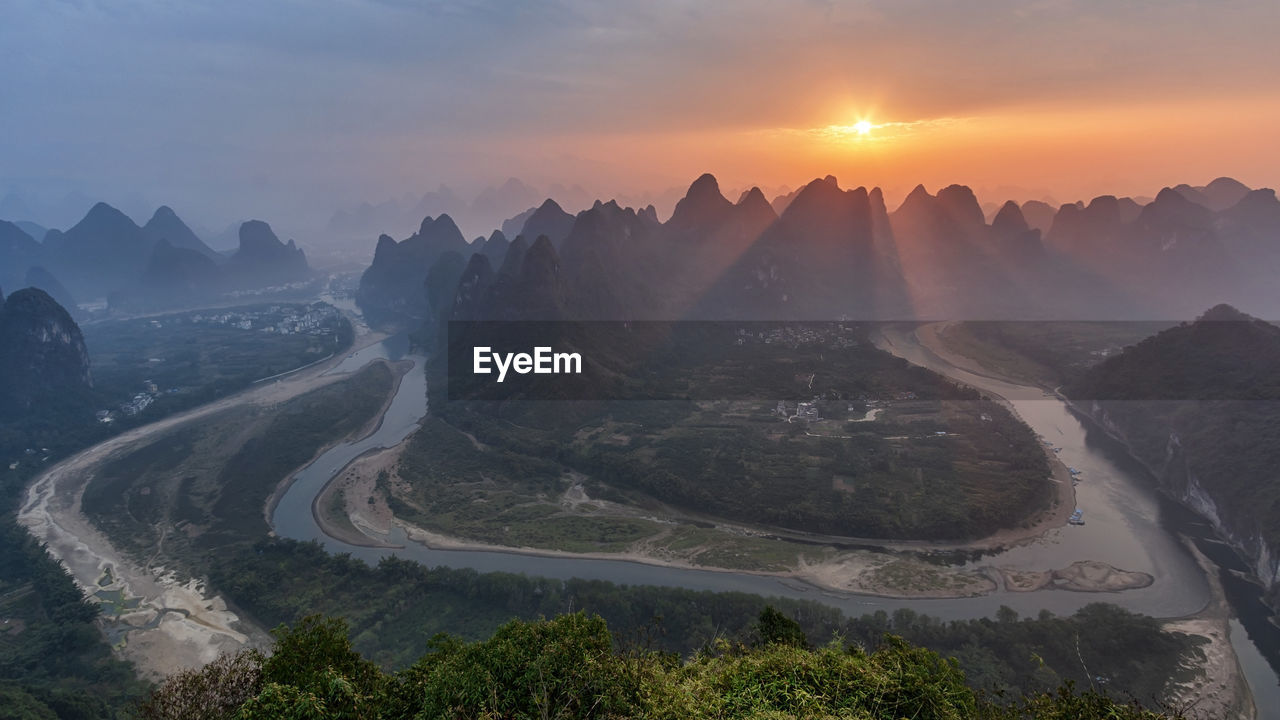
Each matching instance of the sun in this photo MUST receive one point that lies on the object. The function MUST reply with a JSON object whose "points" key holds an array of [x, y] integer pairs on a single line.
{"points": [[862, 127]]}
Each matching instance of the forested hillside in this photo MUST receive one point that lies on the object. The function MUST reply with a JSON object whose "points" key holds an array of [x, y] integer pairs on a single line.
{"points": [[1199, 404]]}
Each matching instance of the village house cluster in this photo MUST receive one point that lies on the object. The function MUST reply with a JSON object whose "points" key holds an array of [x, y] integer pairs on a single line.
{"points": [[292, 287], [136, 404], [317, 319], [320, 319], [833, 335], [808, 411]]}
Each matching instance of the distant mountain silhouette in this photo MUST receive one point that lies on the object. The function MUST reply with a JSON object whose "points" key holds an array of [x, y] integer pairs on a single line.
{"points": [[505, 207], [13, 206], [441, 201], [38, 277], [947, 253], [262, 260], [494, 248], [107, 255], [365, 217], [702, 210], [442, 280], [609, 265], [393, 284], [225, 243], [539, 292], [1218, 195], [780, 202], [473, 289], [1250, 232], [1014, 242], [503, 201], [514, 259], [836, 253], [711, 237], [1093, 231], [825, 256], [18, 252], [37, 232], [1169, 255], [1009, 220], [1039, 215], [166, 225], [1181, 244], [180, 275], [103, 252], [550, 220], [514, 225]]}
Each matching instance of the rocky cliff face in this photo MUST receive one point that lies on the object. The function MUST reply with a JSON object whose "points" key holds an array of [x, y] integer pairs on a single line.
{"points": [[1174, 469], [42, 353], [1199, 405]]}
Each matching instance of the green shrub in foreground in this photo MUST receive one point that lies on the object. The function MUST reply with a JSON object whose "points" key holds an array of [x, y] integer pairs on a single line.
{"points": [[569, 667]]}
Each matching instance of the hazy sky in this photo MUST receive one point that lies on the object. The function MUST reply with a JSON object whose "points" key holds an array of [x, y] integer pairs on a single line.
{"points": [[233, 108]]}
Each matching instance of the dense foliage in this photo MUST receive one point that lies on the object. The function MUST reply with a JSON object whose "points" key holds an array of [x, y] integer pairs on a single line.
{"points": [[53, 661], [395, 607], [1049, 353], [938, 462], [201, 488], [570, 667]]}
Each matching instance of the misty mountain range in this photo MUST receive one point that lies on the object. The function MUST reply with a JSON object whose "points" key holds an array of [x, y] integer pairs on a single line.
{"points": [[487, 209], [825, 252], [159, 264], [504, 207], [819, 252]]}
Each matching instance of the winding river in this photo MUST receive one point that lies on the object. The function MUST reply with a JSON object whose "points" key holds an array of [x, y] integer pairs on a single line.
{"points": [[1129, 526]]}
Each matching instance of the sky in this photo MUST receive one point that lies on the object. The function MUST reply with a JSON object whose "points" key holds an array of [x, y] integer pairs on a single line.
{"points": [[227, 109]]}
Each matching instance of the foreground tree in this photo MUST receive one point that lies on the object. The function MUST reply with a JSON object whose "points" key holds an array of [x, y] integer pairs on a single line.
{"points": [[570, 667]]}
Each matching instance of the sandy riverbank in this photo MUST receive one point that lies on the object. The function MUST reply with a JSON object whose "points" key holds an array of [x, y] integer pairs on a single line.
{"points": [[897, 572], [173, 624], [399, 370], [1222, 691], [858, 572], [861, 572], [358, 479]]}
